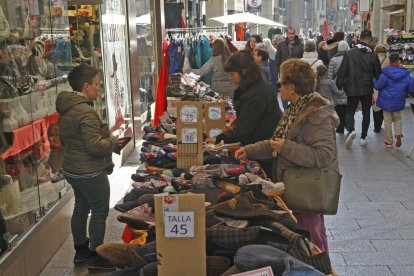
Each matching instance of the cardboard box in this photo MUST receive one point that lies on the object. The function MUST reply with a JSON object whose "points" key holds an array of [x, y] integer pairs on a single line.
{"points": [[181, 234], [189, 134], [214, 118]]}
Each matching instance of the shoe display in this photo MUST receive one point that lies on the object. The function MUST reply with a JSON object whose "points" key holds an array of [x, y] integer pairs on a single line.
{"points": [[363, 142], [350, 139], [399, 142]]}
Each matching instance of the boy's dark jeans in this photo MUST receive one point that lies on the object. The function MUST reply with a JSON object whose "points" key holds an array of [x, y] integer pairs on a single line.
{"points": [[91, 194]]}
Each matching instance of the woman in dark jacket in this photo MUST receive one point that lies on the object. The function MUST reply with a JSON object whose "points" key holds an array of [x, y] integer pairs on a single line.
{"points": [[255, 102]]}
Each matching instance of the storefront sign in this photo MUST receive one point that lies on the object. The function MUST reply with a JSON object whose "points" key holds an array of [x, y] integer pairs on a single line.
{"points": [[115, 60], [179, 224], [265, 271], [253, 5]]}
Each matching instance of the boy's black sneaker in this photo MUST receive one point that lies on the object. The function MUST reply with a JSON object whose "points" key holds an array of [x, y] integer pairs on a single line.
{"points": [[98, 264], [82, 253]]}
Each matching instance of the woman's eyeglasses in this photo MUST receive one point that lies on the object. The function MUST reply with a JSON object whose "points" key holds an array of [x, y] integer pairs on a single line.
{"points": [[279, 84]]}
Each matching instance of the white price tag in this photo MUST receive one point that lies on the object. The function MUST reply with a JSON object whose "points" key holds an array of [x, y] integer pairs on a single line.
{"points": [[188, 114], [265, 271], [214, 132], [179, 224], [214, 112], [189, 135]]}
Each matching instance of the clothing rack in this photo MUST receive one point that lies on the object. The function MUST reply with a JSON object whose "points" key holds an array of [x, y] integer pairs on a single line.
{"points": [[196, 29]]}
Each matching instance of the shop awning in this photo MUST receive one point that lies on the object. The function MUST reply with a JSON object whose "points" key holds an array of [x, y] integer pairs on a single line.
{"points": [[144, 19], [393, 7], [248, 18]]}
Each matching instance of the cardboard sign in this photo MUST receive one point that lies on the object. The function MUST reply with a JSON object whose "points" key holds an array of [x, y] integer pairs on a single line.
{"points": [[189, 135], [265, 271], [181, 234], [188, 114], [179, 224]]}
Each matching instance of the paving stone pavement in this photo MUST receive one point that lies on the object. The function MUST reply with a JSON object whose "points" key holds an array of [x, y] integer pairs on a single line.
{"points": [[373, 232]]}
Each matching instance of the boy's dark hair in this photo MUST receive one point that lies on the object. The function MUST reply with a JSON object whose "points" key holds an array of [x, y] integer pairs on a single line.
{"points": [[394, 58], [365, 34], [80, 75], [262, 53]]}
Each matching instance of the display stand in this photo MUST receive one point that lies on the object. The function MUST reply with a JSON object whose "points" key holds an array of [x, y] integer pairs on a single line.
{"points": [[181, 234], [214, 118], [189, 134]]}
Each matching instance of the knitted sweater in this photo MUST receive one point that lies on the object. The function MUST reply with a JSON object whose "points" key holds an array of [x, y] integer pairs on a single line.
{"points": [[221, 82]]}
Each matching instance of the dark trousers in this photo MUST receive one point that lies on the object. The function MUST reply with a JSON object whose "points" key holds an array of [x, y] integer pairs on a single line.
{"points": [[366, 113], [91, 195], [341, 111], [378, 119]]}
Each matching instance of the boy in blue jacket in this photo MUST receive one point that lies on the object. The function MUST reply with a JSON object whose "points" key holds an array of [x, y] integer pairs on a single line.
{"points": [[394, 84]]}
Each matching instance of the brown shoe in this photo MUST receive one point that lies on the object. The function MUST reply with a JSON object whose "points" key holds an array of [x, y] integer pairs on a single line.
{"points": [[399, 142], [117, 253]]}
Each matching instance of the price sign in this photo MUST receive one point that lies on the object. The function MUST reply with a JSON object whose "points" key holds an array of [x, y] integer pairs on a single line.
{"points": [[214, 112], [189, 135], [265, 271], [188, 114], [179, 224], [214, 132]]}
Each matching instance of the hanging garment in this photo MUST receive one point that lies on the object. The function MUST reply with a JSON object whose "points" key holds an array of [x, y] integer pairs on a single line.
{"points": [[173, 15], [240, 30], [163, 79], [173, 55], [206, 54], [199, 64], [180, 54]]}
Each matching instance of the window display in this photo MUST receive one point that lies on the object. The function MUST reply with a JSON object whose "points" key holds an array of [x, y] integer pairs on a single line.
{"points": [[35, 54], [147, 59]]}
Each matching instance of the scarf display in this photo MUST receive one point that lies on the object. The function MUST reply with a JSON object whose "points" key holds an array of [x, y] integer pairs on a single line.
{"points": [[289, 116]]}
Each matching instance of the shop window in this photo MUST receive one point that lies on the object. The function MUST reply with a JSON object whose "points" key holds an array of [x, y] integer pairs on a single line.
{"points": [[35, 57]]}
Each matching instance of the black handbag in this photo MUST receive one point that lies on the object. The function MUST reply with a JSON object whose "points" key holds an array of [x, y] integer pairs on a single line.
{"points": [[312, 190]]}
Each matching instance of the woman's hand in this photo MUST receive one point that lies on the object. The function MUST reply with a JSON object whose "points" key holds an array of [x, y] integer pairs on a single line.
{"points": [[119, 121], [211, 140], [277, 144], [240, 153]]}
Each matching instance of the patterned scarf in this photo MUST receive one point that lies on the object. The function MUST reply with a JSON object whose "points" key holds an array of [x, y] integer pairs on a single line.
{"points": [[289, 116]]}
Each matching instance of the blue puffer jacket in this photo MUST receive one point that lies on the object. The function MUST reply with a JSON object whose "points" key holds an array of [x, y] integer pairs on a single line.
{"points": [[394, 84]]}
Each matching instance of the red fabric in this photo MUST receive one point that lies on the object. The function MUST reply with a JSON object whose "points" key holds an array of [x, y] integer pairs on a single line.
{"points": [[163, 79], [231, 46], [127, 235], [240, 31], [30, 134]]}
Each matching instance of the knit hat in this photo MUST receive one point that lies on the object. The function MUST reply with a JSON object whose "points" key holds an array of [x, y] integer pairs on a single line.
{"points": [[321, 70], [343, 46]]}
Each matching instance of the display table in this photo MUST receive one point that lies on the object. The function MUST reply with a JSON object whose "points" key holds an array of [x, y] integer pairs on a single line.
{"points": [[28, 135]]}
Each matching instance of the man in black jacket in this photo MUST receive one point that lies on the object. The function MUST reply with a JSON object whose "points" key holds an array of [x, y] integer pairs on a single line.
{"points": [[358, 68], [292, 47]]}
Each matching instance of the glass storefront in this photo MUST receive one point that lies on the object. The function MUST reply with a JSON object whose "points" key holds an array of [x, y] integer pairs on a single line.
{"points": [[146, 58], [35, 57], [40, 42]]}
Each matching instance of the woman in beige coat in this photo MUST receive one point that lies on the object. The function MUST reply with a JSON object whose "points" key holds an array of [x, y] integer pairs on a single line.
{"points": [[305, 133]]}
